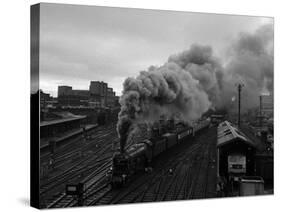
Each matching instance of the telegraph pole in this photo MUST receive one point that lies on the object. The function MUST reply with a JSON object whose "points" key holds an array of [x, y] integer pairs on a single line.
{"points": [[239, 86], [260, 118]]}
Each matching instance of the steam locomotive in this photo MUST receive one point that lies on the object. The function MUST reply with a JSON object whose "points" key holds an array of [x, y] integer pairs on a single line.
{"points": [[137, 157]]}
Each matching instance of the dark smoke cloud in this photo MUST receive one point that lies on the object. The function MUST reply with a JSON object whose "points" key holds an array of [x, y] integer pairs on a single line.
{"points": [[185, 86], [193, 81], [204, 67], [250, 63]]}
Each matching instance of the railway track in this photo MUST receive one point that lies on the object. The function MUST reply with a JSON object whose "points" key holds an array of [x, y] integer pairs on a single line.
{"points": [[94, 182], [88, 161], [190, 178], [190, 163], [75, 144], [99, 152]]}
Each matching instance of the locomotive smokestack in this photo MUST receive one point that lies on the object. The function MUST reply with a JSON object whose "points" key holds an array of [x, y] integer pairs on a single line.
{"points": [[123, 127], [123, 141]]}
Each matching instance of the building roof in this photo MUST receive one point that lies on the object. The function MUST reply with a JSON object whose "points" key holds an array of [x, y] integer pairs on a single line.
{"points": [[228, 133], [59, 121], [217, 116]]}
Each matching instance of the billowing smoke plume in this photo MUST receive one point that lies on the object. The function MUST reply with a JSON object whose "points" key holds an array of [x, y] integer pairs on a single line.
{"points": [[250, 63], [186, 86], [204, 67], [193, 81]]}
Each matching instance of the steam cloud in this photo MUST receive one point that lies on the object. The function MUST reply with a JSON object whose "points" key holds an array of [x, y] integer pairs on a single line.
{"points": [[251, 63], [193, 81]]}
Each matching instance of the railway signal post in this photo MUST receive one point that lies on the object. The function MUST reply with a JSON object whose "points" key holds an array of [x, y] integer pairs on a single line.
{"points": [[76, 190]]}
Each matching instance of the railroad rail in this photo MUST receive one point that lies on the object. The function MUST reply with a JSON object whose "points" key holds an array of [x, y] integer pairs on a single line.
{"points": [[185, 172], [97, 151], [190, 177]]}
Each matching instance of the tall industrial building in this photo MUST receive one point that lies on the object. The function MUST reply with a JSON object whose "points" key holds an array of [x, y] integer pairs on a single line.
{"points": [[98, 95], [64, 90], [97, 87], [98, 92]]}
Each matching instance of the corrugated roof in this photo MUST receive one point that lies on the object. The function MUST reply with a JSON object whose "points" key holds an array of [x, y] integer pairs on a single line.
{"points": [[227, 133]]}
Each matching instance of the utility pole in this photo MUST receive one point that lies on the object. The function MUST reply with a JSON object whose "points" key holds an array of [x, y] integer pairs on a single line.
{"points": [[239, 86], [260, 118]]}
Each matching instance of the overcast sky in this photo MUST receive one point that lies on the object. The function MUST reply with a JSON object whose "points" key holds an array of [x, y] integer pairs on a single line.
{"points": [[83, 43]]}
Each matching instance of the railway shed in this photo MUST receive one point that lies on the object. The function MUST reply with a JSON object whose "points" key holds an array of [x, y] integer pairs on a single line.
{"points": [[235, 152], [50, 128]]}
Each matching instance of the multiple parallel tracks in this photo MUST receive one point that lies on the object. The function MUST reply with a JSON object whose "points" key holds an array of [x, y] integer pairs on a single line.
{"points": [[193, 176], [79, 160], [187, 171]]}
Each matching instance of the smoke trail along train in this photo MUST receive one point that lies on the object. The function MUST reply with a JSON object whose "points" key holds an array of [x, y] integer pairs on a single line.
{"points": [[193, 81]]}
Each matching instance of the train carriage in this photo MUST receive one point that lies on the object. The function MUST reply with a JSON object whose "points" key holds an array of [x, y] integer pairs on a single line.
{"points": [[159, 146], [137, 154], [171, 139], [185, 133]]}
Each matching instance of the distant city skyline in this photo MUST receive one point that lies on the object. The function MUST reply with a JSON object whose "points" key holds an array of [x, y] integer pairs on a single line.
{"points": [[79, 44], [74, 88]]}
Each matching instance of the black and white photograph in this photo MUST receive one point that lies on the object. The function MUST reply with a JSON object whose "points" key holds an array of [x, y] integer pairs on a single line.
{"points": [[143, 105]]}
